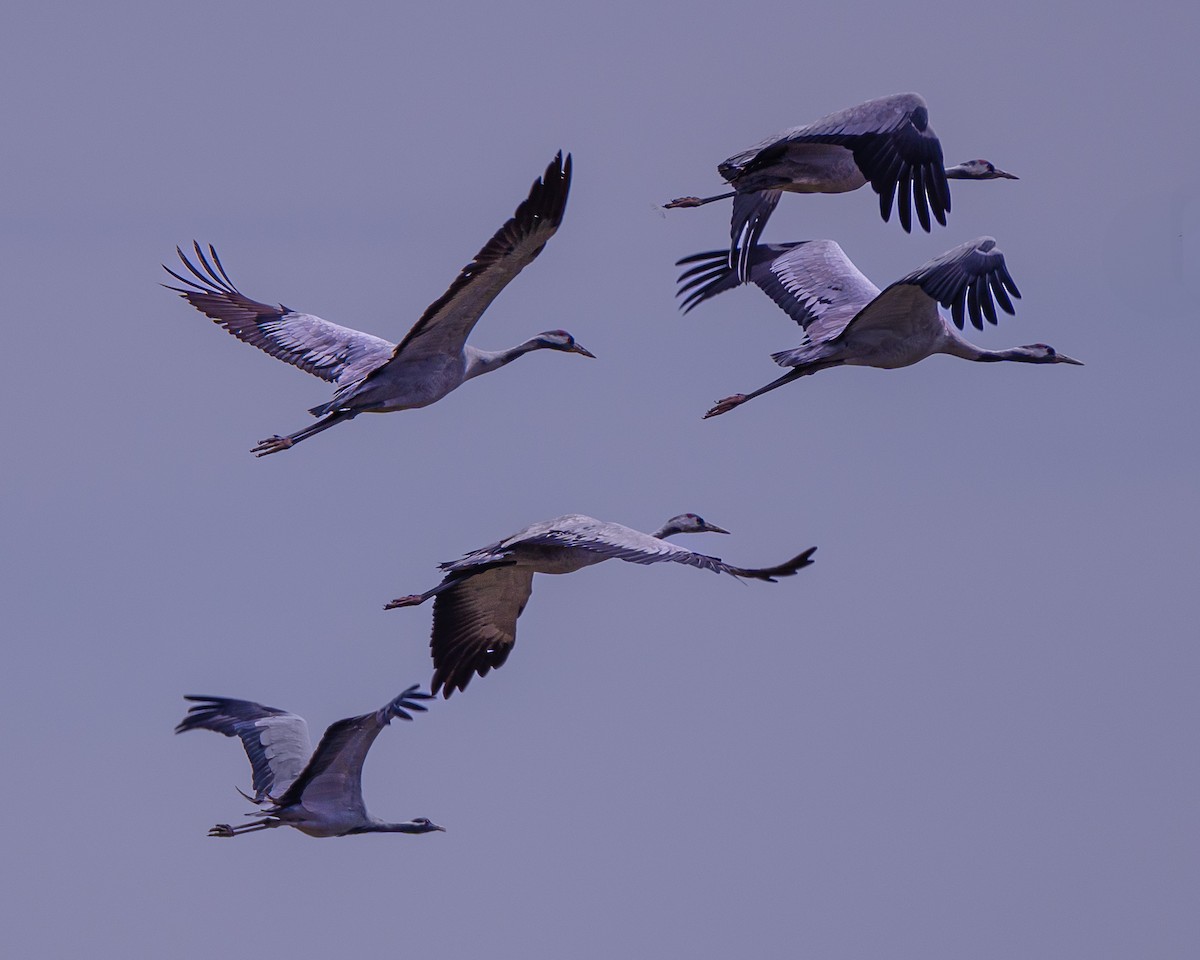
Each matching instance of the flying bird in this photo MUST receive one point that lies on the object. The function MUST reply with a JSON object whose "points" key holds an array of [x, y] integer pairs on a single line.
{"points": [[372, 375], [482, 595], [317, 793], [887, 143], [847, 320]]}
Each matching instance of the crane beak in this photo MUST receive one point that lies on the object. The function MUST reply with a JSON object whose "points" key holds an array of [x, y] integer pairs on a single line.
{"points": [[713, 528], [583, 352], [1063, 358], [1006, 175]]}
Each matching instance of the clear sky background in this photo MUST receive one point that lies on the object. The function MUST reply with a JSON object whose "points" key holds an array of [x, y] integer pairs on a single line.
{"points": [[968, 731]]}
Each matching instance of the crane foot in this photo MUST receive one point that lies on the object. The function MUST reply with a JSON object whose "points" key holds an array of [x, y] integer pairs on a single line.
{"points": [[683, 202], [409, 601], [271, 445], [221, 830], [724, 406]]}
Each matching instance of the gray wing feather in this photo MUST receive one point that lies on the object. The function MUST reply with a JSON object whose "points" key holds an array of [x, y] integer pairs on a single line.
{"points": [[276, 741], [326, 350], [614, 541], [444, 327], [642, 548], [812, 281], [333, 777]]}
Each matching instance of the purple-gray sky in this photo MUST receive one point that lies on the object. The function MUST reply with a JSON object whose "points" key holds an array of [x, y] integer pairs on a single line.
{"points": [[968, 731]]}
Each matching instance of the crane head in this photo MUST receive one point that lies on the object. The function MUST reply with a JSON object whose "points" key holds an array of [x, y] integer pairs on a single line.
{"points": [[687, 523], [1044, 353], [978, 170], [561, 340], [425, 825]]}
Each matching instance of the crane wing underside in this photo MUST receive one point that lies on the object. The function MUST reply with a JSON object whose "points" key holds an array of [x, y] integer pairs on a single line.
{"points": [[275, 741], [812, 281], [475, 625], [334, 774], [334, 353]]}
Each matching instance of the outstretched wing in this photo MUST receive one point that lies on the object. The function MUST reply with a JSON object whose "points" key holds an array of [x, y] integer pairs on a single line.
{"points": [[276, 741], [615, 541], [333, 777], [812, 281], [326, 350], [444, 327], [970, 279], [475, 625]]}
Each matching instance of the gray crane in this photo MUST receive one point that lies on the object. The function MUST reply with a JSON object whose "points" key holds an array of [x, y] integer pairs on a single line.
{"points": [[482, 595], [373, 375], [887, 143], [319, 793], [847, 320]]}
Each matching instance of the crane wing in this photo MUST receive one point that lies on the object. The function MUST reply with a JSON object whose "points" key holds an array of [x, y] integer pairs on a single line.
{"points": [[614, 541], [276, 741], [968, 280], [475, 624], [812, 281], [751, 211], [444, 327], [326, 350], [893, 145], [333, 776]]}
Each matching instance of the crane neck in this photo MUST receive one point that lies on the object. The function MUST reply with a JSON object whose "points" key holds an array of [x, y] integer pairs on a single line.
{"points": [[485, 361], [958, 346], [382, 826], [955, 344]]}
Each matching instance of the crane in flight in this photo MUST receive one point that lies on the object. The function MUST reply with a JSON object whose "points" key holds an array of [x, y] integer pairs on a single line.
{"points": [[848, 320], [317, 792], [372, 375], [482, 595], [887, 143]]}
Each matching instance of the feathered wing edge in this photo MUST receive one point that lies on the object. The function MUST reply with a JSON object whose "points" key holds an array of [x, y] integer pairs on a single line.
{"points": [[965, 280], [355, 732], [541, 211]]}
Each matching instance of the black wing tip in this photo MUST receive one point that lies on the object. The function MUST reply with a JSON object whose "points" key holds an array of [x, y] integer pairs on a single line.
{"points": [[406, 701], [445, 684], [202, 710], [697, 257], [548, 195], [796, 564]]}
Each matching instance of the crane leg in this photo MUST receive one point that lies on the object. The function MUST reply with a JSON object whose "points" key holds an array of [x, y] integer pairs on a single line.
{"points": [[696, 201], [724, 406], [277, 443], [225, 830], [416, 599]]}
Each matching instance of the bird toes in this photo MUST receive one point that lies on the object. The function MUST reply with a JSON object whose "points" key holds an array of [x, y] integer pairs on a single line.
{"points": [[724, 406], [682, 202], [271, 445], [221, 830], [409, 601]]}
